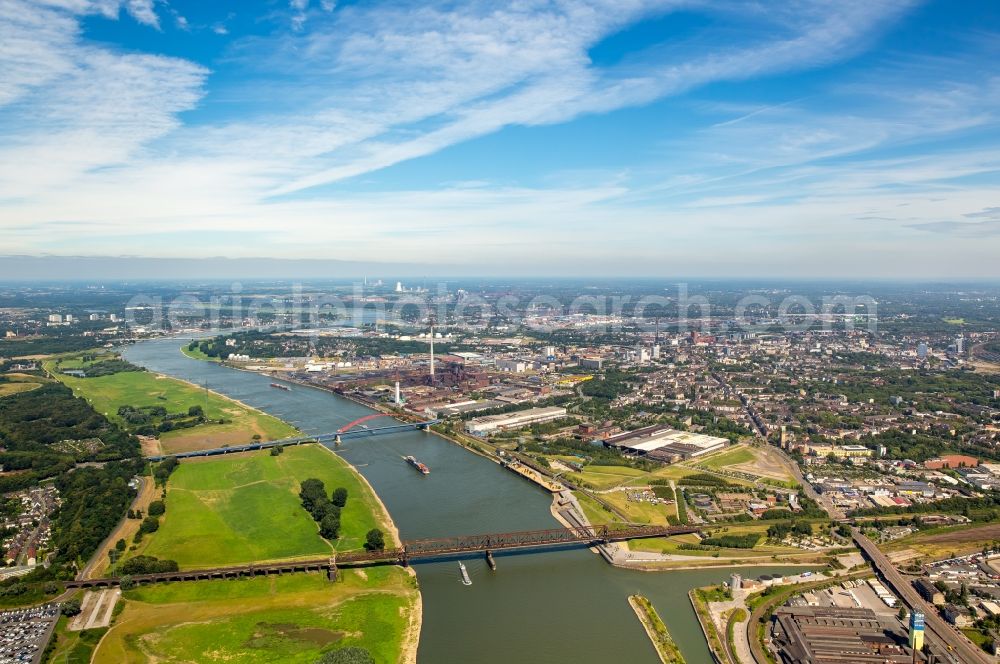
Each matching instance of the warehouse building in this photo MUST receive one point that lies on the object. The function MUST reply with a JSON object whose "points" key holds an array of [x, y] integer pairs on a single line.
{"points": [[661, 443], [481, 426], [831, 635]]}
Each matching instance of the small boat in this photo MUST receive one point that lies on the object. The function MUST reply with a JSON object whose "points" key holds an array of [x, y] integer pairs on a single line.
{"points": [[281, 387], [466, 581], [416, 464]]}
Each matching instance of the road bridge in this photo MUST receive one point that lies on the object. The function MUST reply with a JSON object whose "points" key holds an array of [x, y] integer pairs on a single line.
{"points": [[413, 550], [948, 641], [347, 432]]}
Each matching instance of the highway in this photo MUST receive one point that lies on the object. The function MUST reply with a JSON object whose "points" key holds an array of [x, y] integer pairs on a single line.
{"points": [[937, 630]]}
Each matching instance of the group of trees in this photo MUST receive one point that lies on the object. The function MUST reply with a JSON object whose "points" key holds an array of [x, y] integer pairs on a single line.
{"points": [[151, 522], [747, 541], [33, 421], [325, 510], [151, 420], [92, 369], [781, 530], [147, 565], [349, 655], [613, 384], [163, 470], [93, 501]]}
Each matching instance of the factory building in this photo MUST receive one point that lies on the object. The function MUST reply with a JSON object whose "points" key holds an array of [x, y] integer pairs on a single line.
{"points": [[830, 635], [661, 443], [481, 426]]}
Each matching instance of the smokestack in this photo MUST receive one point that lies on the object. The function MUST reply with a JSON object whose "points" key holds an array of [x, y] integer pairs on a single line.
{"points": [[398, 399]]}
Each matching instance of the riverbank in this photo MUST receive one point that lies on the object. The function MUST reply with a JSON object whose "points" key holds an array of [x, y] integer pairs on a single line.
{"points": [[708, 631], [207, 418], [362, 496], [393, 530], [657, 632], [533, 596]]}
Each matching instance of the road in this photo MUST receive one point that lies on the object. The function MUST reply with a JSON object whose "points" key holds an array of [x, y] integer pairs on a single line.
{"points": [[101, 551], [826, 504], [761, 431], [936, 628]]}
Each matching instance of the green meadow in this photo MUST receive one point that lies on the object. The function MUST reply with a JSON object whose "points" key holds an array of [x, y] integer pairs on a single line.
{"points": [[245, 507], [143, 388], [291, 618]]}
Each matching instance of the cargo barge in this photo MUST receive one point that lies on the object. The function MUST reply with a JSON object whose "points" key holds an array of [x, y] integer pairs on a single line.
{"points": [[419, 466]]}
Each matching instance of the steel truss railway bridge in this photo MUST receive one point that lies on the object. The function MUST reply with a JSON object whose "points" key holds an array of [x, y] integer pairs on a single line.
{"points": [[414, 550], [351, 430]]}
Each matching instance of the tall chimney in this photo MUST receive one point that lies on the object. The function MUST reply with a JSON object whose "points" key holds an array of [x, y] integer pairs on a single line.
{"points": [[432, 352]]}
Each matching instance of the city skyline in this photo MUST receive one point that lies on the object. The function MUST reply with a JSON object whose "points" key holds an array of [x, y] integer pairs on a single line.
{"points": [[820, 139]]}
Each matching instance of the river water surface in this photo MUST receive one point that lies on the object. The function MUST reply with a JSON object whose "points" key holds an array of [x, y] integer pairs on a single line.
{"points": [[561, 606]]}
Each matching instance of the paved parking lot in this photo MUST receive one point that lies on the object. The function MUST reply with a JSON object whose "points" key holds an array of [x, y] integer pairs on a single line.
{"points": [[25, 632]]}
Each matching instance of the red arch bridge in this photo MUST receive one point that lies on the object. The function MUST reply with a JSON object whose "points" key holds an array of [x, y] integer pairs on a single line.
{"points": [[415, 550], [354, 429]]}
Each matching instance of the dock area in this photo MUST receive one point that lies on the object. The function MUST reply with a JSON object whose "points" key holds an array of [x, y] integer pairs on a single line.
{"points": [[533, 475]]}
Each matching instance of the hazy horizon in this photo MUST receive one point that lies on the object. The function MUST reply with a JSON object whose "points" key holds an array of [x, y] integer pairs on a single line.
{"points": [[136, 268]]}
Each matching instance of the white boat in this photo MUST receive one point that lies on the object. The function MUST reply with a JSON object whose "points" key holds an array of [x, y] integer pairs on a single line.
{"points": [[466, 581]]}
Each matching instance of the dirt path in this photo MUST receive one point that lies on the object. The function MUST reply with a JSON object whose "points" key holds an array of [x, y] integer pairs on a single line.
{"points": [[125, 529]]}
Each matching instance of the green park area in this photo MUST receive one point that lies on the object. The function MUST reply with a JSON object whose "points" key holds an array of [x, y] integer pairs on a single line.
{"points": [[732, 457], [245, 507], [185, 417], [293, 618], [15, 383]]}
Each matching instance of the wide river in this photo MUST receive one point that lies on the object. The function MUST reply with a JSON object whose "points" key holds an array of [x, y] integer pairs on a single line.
{"points": [[561, 606]]}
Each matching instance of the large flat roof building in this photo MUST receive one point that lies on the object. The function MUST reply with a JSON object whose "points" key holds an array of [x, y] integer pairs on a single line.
{"points": [[832, 635], [662, 443], [481, 426]]}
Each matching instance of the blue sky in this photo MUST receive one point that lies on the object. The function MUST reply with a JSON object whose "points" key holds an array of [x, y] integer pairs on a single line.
{"points": [[608, 137]]}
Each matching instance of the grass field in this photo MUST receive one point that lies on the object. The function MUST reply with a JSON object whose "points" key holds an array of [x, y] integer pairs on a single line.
{"points": [[244, 508], [944, 541], [7, 389], [606, 477], [640, 512], [730, 457], [74, 647], [142, 388], [196, 354], [16, 383], [292, 619]]}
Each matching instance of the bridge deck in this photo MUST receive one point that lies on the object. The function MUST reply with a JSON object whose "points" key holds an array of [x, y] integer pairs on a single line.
{"points": [[300, 440], [415, 549]]}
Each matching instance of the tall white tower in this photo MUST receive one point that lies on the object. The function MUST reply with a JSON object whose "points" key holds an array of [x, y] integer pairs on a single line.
{"points": [[399, 400], [432, 351]]}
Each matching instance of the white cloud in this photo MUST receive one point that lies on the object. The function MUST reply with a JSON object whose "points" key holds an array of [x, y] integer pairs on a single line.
{"points": [[92, 153], [470, 69], [83, 107]]}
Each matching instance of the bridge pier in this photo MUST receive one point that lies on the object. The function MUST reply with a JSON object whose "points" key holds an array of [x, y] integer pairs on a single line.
{"points": [[489, 560]]}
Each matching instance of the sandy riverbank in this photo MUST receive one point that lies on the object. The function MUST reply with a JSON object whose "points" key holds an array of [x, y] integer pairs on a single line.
{"points": [[411, 639]]}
